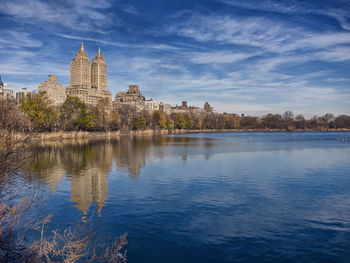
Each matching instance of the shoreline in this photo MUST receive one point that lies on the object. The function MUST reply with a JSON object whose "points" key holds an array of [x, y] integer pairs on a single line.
{"points": [[54, 136]]}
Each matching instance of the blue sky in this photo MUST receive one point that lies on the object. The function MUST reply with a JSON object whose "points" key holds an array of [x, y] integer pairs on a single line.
{"points": [[251, 57]]}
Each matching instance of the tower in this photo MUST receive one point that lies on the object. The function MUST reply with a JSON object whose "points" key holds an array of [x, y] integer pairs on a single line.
{"points": [[80, 69], [99, 72]]}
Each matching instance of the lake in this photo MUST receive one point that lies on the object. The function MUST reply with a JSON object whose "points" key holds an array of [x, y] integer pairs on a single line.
{"points": [[213, 197]]}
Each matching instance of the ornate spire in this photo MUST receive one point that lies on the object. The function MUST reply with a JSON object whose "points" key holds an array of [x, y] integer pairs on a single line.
{"points": [[82, 46], [99, 52]]}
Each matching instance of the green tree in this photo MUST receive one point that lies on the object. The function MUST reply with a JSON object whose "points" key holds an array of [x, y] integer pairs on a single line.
{"points": [[75, 115], [179, 121], [188, 121], [158, 120], [139, 123], [43, 117], [170, 123]]}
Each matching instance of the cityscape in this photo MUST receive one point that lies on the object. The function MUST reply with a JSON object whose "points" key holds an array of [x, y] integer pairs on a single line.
{"points": [[88, 82]]}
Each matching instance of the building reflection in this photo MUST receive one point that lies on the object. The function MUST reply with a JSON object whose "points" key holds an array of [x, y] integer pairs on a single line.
{"points": [[87, 163]]}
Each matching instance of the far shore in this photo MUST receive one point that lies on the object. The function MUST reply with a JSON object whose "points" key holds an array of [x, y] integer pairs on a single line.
{"points": [[47, 136]]}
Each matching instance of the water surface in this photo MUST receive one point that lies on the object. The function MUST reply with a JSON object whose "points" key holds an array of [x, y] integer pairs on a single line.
{"points": [[220, 197]]}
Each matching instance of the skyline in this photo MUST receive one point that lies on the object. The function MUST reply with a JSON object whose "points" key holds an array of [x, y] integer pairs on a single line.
{"points": [[253, 58]]}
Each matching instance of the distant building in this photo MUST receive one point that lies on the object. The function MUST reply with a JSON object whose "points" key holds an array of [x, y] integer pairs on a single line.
{"points": [[150, 105], [54, 91], [1, 88], [165, 108], [132, 97], [88, 83], [5, 92], [21, 94], [207, 106], [185, 109]]}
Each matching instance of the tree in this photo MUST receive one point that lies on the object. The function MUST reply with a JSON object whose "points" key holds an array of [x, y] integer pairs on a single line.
{"points": [[188, 121], [75, 115], [170, 123], [249, 122], [158, 120], [11, 118], [342, 122], [179, 121], [41, 114], [114, 123], [273, 121], [300, 122], [288, 119], [126, 114], [102, 114], [329, 117], [197, 122], [139, 123]]}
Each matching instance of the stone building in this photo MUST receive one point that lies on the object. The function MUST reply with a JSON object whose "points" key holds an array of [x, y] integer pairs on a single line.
{"points": [[88, 83], [132, 97], [99, 72], [80, 69], [21, 94], [54, 91]]}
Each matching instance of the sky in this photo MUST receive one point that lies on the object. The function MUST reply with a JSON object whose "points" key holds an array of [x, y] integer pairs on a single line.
{"points": [[248, 56]]}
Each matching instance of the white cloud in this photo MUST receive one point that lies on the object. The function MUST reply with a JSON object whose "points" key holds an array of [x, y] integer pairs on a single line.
{"points": [[296, 7], [219, 57], [81, 15]]}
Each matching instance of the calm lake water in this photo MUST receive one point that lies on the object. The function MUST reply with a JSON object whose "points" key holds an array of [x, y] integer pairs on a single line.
{"points": [[220, 197]]}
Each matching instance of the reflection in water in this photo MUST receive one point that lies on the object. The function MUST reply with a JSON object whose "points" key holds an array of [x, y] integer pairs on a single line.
{"points": [[247, 197], [87, 163]]}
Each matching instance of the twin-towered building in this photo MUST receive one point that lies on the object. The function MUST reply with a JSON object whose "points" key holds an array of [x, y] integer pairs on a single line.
{"points": [[88, 81]]}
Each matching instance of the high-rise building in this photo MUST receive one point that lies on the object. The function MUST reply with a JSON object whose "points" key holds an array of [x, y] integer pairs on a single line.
{"points": [[81, 72], [99, 72], [80, 69]]}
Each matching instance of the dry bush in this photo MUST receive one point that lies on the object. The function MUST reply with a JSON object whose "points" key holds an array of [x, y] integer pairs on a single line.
{"points": [[11, 118], [68, 246]]}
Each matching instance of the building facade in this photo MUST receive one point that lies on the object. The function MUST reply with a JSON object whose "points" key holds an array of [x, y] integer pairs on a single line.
{"points": [[88, 82], [99, 72], [54, 91], [80, 69], [21, 94], [132, 97]]}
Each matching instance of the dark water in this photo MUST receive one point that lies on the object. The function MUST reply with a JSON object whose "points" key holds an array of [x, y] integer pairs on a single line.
{"points": [[230, 197]]}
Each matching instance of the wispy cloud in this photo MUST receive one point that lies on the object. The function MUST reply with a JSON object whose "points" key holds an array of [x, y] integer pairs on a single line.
{"points": [[297, 7], [82, 15]]}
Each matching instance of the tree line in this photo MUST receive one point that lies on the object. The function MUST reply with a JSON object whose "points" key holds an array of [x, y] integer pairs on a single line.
{"points": [[36, 114]]}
